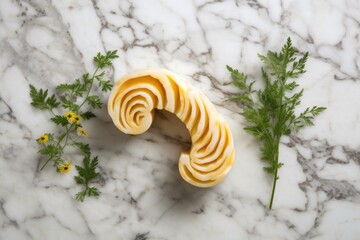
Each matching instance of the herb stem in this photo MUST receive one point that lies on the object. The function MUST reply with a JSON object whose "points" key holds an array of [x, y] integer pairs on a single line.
{"points": [[67, 138], [276, 160], [88, 92], [74, 141], [43, 166], [57, 145], [273, 189]]}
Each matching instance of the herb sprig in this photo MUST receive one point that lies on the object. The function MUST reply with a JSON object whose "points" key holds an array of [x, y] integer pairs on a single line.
{"points": [[67, 111], [270, 112]]}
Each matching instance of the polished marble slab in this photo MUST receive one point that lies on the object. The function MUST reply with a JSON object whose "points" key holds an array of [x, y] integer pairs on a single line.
{"points": [[143, 196]]}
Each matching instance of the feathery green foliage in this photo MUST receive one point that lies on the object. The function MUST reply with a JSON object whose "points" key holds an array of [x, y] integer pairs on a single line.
{"points": [[270, 112]]}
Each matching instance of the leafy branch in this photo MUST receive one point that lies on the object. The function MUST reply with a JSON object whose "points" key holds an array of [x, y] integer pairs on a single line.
{"points": [[270, 112], [66, 107]]}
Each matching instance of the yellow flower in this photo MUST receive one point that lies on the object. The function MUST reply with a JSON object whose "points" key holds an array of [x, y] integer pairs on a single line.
{"points": [[43, 138], [66, 167], [70, 116], [77, 119], [81, 132]]}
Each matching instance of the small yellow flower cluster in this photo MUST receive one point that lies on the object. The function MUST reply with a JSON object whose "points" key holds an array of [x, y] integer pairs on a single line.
{"points": [[43, 138], [81, 132], [66, 167], [72, 117]]}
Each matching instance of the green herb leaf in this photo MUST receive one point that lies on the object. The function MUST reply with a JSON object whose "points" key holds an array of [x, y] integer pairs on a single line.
{"points": [[87, 173], [87, 115], [85, 148], [78, 88], [80, 196], [60, 120], [52, 102], [105, 85], [50, 150], [41, 100], [64, 87], [94, 101], [93, 191], [103, 61], [58, 163], [69, 104]]}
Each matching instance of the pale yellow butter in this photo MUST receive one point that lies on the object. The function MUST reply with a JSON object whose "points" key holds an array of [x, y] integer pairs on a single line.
{"points": [[132, 105]]}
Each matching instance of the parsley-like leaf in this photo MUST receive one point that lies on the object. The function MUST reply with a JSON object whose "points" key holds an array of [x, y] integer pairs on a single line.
{"points": [[87, 115], [64, 87], [69, 104], [103, 61], [41, 100], [50, 150], [85, 148], [60, 120], [94, 101], [105, 85], [86, 174], [80, 196]]}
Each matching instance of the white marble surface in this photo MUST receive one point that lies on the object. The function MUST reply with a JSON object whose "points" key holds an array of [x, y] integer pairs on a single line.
{"points": [[143, 197]]}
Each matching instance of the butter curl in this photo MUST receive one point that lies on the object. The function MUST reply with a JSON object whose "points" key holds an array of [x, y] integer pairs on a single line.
{"points": [[132, 105]]}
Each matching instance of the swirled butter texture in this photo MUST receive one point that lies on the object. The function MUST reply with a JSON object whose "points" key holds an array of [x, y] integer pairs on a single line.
{"points": [[132, 105]]}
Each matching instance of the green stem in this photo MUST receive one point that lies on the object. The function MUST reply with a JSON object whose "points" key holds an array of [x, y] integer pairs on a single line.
{"points": [[276, 158], [88, 92], [273, 190], [277, 121], [43, 166], [57, 145], [67, 138], [74, 141]]}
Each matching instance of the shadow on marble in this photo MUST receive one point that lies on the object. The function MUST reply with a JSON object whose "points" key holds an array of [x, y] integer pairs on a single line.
{"points": [[156, 158]]}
